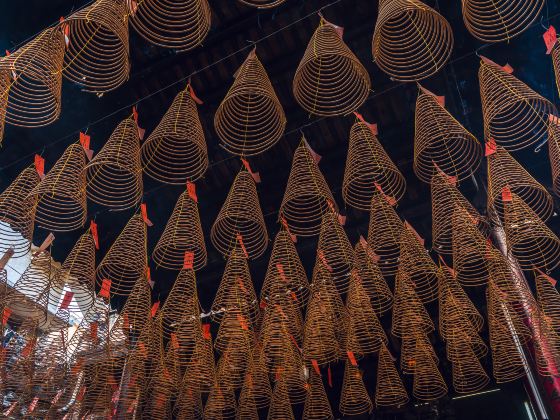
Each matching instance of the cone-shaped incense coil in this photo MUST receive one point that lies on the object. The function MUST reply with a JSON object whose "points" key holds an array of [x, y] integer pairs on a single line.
{"points": [[505, 171], [389, 391], [411, 41], [548, 300], [162, 387], [182, 234], [17, 213], [61, 195], [221, 403], [257, 383], [176, 150], [188, 405], [115, 173], [240, 223], [514, 114], [33, 93], [330, 80], [200, 371], [280, 406], [247, 409], [126, 260], [501, 20], [181, 25], [408, 350], [409, 314], [428, 383], [262, 4], [440, 141], [5, 83], [250, 119], [97, 56], [468, 374], [317, 405], [134, 318], [354, 398], [369, 169], [554, 144]]}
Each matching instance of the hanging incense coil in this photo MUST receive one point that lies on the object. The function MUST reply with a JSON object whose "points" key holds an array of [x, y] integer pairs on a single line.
{"points": [[468, 374], [369, 168], [126, 260], [221, 403], [17, 213], [61, 195], [280, 406], [200, 373], [97, 57], [411, 41], [317, 405], [548, 299], [389, 391], [240, 223], [247, 408], [428, 383], [441, 143], [505, 99], [257, 384], [188, 405], [282, 320], [5, 82], [179, 25], [354, 398], [554, 142], [409, 314], [176, 150], [182, 234], [547, 348], [114, 174], [135, 319], [250, 119], [262, 4], [408, 350]]}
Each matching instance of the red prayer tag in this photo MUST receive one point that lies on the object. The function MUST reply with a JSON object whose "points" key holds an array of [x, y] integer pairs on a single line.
{"points": [[506, 194], [155, 308], [491, 147], [554, 119], [391, 200], [316, 366], [451, 179], [550, 39], [144, 211], [262, 305], [372, 127], [352, 358], [240, 241], [93, 328], [242, 322], [324, 260], [174, 341], [329, 376], [188, 261], [256, 175], [314, 155], [206, 331], [440, 99], [546, 276], [6, 315], [40, 166], [285, 224], [85, 142], [141, 131], [105, 288], [93, 228], [280, 269], [191, 190], [193, 95], [66, 301]]}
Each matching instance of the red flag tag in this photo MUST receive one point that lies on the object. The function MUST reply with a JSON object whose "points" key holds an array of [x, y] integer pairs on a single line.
{"points": [[193, 95], [285, 224], [506, 194], [372, 127], [174, 341], [316, 366], [242, 322], [93, 229], [144, 210], [324, 260], [294, 296], [33, 405], [491, 147], [80, 396], [352, 358], [241, 285], [240, 241], [6, 257], [132, 6], [141, 131], [262, 305], [191, 190], [65, 28], [28, 348], [413, 231], [550, 279], [206, 331], [155, 308], [295, 343], [66, 301], [329, 376], [105, 288], [440, 99], [40, 166], [280, 269], [142, 349], [85, 142], [6, 315], [93, 328], [188, 262], [550, 39], [507, 68], [256, 175], [391, 200], [314, 155], [46, 243]]}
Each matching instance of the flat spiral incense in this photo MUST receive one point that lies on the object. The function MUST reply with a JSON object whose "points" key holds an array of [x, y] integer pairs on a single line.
{"points": [[354, 398], [389, 391], [115, 173], [330, 80], [411, 41], [554, 147], [250, 119]]}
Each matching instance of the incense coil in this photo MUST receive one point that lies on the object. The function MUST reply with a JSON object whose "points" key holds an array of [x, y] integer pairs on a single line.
{"points": [[409, 314], [221, 403], [262, 4], [240, 223], [17, 213], [201, 371], [5, 82], [411, 41], [97, 56], [367, 166], [280, 406], [188, 405], [441, 143], [548, 300], [505, 99], [495, 21], [183, 233], [282, 318], [317, 405], [126, 260], [162, 387], [408, 351], [61, 195], [247, 408], [32, 95], [546, 346], [179, 25], [467, 372], [257, 384], [115, 173], [389, 391], [176, 150], [428, 384], [554, 141], [250, 119], [505, 171], [354, 398]]}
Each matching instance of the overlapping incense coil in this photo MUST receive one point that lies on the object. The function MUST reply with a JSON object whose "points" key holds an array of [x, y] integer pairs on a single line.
{"points": [[188, 405], [115, 174], [126, 260], [247, 408], [467, 372], [428, 384], [548, 300], [262, 4], [554, 141], [495, 21], [354, 398], [408, 350], [389, 391], [162, 388], [515, 116], [179, 25], [240, 223], [409, 314], [411, 41], [369, 168], [317, 405], [183, 233], [257, 384], [330, 80], [201, 370], [97, 57], [250, 119], [280, 406], [441, 143], [221, 403]]}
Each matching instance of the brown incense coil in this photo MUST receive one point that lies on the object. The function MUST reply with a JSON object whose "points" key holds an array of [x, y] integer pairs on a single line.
{"points": [[32, 95], [428, 383], [408, 351], [183, 233], [505, 171], [176, 150], [409, 315], [468, 374], [411, 41], [280, 406], [354, 398], [114, 174], [367, 166], [250, 119], [441, 143], [179, 25], [221, 403], [126, 260], [330, 80], [61, 195], [247, 408], [262, 4], [17, 213], [317, 405], [97, 57], [162, 388], [240, 223], [257, 384], [201, 369], [547, 346], [548, 300], [389, 391], [282, 320], [515, 116], [188, 405], [554, 140]]}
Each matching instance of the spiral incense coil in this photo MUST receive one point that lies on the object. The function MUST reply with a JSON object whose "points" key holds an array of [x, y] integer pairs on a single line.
{"points": [[126, 260], [548, 300], [282, 318], [262, 4], [554, 142], [179, 25], [176, 150], [354, 398], [317, 405], [247, 408], [97, 57], [5, 83], [188, 405], [114, 174], [389, 391], [468, 374], [428, 384], [134, 319], [221, 403], [368, 166], [183, 233], [201, 371], [35, 70], [547, 346], [408, 351], [240, 223], [280, 406], [441, 143], [250, 119], [61, 195], [17, 213], [330, 80], [505, 171], [411, 41], [257, 384], [409, 314]]}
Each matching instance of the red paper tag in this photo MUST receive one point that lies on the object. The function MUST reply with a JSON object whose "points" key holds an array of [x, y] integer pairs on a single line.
{"points": [[440, 99], [155, 308], [280, 269], [329, 376], [262, 305], [256, 176], [391, 200], [314, 155], [93, 328], [241, 285], [142, 349], [174, 341], [491, 147], [242, 322], [141, 131], [372, 127], [65, 28], [508, 69], [413, 231], [316, 366], [191, 190], [144, 210], [240, 241], [188, 261], [295, 343], [193, 95], [105, 288], [451, 179], [550, 39], [85, 142], [206, 331], [66, 301], [550, 279], [323, 259], [132, 6], [6, 315], [352, 358], [285, 224], [6, 257], [338, 29], [80, 396], [451, 271], [28, 348], [294, 296], [93, 229], [40, 166], [506, 194]]}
